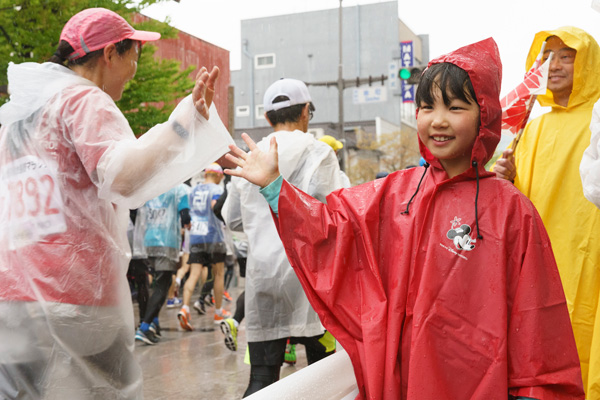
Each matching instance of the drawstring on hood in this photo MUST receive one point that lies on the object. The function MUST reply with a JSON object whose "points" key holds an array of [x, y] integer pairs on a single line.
{"points": [[475, 165], [416, 191]]}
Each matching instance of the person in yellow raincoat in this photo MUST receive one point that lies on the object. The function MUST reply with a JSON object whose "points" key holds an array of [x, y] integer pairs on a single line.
{"points": [[545, 167]]}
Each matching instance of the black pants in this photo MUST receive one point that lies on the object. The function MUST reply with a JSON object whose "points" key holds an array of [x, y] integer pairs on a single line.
{"points": [[266, 359], [240, 310], [228, 275], [209, 284], [138, 273], [162, 283]]}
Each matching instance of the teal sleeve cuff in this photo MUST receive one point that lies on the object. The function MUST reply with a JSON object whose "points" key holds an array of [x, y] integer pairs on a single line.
{"points": [[271, 193]]}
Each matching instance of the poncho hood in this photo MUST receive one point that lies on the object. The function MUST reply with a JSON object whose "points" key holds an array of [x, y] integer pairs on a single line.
{"points": [[586, 82], [32, 85], [481, 61]]}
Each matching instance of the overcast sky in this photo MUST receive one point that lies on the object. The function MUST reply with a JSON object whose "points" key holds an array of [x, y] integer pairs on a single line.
{"points": [[450, 24]]}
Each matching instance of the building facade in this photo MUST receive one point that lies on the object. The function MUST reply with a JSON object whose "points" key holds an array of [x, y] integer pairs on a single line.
{"points": [[193, 51], [306, 46]]}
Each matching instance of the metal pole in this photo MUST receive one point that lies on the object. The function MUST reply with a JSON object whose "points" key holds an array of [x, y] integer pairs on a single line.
{"points": [[340, 85], [251, 57], [400, 125]]}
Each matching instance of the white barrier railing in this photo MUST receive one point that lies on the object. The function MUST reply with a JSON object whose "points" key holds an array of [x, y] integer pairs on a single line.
{"points": [[331, 378]]}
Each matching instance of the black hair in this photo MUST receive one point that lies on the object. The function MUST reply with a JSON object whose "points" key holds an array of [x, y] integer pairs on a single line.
{"points": [[64, 50], [285, 115], [453, 81]]}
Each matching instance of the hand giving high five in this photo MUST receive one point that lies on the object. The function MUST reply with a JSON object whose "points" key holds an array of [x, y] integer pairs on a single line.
{"points": [[256, 166], [204, 90]]}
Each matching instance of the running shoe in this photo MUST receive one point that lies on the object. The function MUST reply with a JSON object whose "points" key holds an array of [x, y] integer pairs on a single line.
{"points": [[224, 314], [199, 307], [173, 303], [184, 320], [290, 353], [155, 328], [209, 300], [147, 337], [227, 297], [230, 332]]}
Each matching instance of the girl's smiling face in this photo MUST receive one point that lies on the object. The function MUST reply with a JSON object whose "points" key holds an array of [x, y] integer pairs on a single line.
{"points": [[449, 130]]}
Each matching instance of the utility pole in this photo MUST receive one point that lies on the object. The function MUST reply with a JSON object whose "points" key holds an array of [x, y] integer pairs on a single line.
{"points": [[252, 94], [342, 84]]}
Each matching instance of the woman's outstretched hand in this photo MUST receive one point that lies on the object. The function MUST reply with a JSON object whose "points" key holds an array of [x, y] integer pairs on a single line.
{"points": [[256, 166], [204, 90]]}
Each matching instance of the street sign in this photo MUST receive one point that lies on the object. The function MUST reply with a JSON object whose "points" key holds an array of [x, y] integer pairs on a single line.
{"points": [[406, 53], [369, 94], [407, 59], [408, 92], [393, 81]]}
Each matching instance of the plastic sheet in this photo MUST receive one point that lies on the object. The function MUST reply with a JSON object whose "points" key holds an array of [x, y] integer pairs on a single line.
{"points": [[270, 282], [158, 225], [590, 163], [70, 168], [331, 378]]}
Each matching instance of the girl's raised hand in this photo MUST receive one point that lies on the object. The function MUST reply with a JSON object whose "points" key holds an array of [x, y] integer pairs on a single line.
{"points": [[256, 166]]}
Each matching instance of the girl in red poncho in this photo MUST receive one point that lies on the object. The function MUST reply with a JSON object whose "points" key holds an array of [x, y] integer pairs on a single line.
{"points": [[438, 281]]}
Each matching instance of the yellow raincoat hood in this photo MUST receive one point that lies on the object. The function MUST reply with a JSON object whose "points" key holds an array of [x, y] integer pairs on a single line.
{"points": [[547, 161], [586, 80]]}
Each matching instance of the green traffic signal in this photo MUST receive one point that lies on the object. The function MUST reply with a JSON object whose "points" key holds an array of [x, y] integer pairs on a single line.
{"points": [[411, 75], [404, 73]]}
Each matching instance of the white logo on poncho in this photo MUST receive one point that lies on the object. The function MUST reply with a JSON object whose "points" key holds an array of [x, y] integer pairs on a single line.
{"points": [[459, 234]]}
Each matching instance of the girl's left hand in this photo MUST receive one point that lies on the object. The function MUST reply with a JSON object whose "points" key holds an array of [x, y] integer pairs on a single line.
{"points": [[258, 167]]}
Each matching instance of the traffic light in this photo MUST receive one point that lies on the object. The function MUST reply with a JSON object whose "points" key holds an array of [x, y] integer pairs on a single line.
{"points": [[411, 75]]}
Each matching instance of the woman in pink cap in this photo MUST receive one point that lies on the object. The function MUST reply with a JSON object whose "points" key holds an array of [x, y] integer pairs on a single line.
{"points": [[70, 168]]}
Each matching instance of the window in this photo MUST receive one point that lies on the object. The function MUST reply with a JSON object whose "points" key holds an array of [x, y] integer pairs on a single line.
{"points": [[260, 112], [264, 61], [242, 111]]}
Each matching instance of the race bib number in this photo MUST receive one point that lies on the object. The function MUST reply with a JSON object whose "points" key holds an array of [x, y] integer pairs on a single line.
{"points": [[199, 227], [200, 199], [31, 205], [157, 216]]}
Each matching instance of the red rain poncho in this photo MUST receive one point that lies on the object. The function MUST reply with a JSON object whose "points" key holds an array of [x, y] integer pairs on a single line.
{"points": [[425, 309]]}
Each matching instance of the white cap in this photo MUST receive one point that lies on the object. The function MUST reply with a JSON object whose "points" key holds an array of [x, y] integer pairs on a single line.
{"points": [[295, 90]]}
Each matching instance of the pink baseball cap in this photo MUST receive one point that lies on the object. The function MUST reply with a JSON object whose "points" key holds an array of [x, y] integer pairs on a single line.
{"points": [[214, 167], [95, 28]]}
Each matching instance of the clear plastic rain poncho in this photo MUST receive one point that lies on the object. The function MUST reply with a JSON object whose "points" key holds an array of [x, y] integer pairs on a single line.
{"points": [[206, 229], [70, 168], [157, 231], [590, 162], [276, 306]]}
